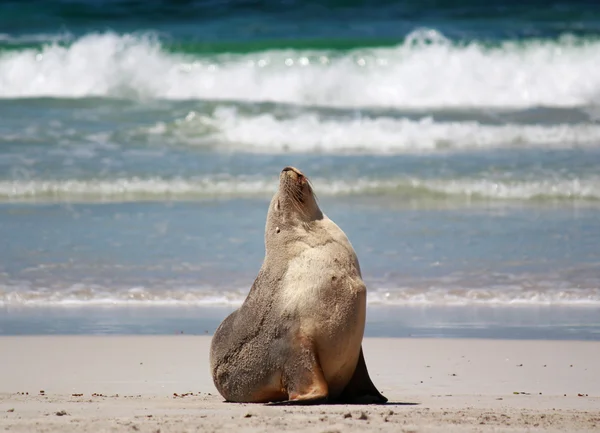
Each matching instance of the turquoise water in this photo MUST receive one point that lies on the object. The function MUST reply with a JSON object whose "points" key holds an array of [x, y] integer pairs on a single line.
{"points": [[458, 146]]}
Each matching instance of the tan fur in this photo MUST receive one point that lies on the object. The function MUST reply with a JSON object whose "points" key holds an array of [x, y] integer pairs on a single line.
{"points": [[304, 317]]}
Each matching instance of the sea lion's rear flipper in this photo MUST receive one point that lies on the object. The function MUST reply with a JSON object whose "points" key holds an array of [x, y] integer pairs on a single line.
{"points": [[302, 376], [360, 389]]}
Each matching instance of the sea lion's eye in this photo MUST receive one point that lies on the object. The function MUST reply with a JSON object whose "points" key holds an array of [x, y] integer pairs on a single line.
{"points": [[277, 230]]}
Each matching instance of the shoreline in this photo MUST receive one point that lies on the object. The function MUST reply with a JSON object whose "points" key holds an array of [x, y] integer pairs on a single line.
{"points": [[150, 383], [547, 323]]}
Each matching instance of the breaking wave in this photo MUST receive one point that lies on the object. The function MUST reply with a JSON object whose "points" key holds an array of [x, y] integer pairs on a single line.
{"points": [[310, 132], [425, 70], [80, 295], [157, 188]]}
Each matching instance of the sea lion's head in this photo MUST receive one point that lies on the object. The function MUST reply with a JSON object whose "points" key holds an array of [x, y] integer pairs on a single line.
{"points": [[294, 204]]}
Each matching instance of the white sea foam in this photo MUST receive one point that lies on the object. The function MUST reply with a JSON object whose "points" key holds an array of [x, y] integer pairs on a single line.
{"points": [[312, 133], [426, 70], [80, 295], [506, 296], [227, 128], [577, 188], [156, 188], [133, 189]]}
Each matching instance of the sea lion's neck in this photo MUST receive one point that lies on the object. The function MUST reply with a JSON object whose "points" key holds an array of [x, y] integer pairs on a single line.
{"points": [[288, 219], [306, 212]]}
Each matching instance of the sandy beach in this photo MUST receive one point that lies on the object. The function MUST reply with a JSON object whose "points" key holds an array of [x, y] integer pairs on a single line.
{"points": [[162, 384]]}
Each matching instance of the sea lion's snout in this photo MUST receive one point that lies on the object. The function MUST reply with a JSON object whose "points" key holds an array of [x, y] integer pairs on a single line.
{"points": [[294, 174]]}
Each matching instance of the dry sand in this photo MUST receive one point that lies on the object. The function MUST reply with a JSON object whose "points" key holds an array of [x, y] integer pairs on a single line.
{"points": [[151, 384]]}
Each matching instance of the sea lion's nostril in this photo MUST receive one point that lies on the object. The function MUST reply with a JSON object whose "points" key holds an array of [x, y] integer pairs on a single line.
{"points": [[293, 170]]}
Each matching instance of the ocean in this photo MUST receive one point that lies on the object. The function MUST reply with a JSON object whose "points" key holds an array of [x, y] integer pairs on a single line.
{"points": [[457, 143]]}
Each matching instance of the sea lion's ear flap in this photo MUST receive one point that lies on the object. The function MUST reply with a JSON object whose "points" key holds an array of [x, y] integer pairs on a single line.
{"points": [[277, 205], [360, 389]]}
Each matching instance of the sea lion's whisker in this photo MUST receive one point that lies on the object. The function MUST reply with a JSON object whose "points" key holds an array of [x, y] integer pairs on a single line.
{"points": [[310, 189], [294, 192]]}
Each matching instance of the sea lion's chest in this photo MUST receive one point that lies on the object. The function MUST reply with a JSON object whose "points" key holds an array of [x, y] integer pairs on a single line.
{"points": [[323, 289], [322, 274]]}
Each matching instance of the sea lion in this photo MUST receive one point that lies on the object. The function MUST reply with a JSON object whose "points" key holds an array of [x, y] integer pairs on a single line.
{"points": [[297, 337]]}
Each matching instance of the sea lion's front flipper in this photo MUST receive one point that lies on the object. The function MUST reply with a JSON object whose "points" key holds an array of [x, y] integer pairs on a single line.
{"points": [[360, 389], [302, 376]]}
